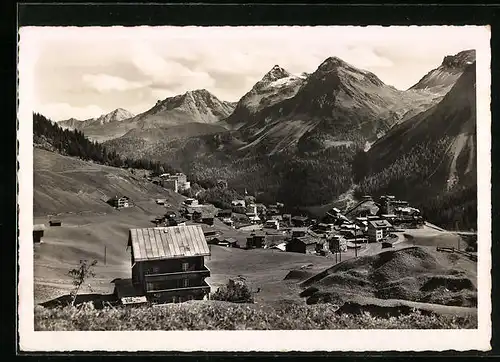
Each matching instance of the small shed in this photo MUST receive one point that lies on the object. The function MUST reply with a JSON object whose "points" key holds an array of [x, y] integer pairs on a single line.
{"points": [[230, 242], [55, 222], [303, 244], [38, 231]]}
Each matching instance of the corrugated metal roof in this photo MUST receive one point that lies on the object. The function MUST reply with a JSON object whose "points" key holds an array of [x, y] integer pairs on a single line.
{"points": [[168, 242]]}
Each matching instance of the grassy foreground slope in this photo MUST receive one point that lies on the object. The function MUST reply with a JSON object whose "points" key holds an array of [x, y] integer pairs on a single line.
{"points": [[210, 315]]}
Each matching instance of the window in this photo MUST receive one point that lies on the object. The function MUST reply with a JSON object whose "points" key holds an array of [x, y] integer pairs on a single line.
{"points": [[185, 283], [155, 269], [185, 266]]}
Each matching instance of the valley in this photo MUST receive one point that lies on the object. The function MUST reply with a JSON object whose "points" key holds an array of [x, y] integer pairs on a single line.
{"points": [[295, 140]]}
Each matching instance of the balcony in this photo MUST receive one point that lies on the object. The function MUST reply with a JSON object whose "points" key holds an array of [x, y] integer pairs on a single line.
{"points": [[204, 287], [157, 277]]}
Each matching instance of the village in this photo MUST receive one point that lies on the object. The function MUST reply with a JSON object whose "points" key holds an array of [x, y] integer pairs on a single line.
{"points": [[167, 259]]}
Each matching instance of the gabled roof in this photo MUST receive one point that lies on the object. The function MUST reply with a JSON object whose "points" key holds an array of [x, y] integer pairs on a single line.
{"points": [[379, 224], [168, 242], [301, 218], [307, 240]]}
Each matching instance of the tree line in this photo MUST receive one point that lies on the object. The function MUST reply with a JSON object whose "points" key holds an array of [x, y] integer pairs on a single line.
{"points": [[74, 143]]}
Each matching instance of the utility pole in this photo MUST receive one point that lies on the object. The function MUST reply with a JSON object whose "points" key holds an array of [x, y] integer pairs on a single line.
{"points": [[104, 254], [355, 243]]}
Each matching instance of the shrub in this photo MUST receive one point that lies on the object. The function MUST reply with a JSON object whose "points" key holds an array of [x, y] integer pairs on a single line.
{"points": [[235, 292]]}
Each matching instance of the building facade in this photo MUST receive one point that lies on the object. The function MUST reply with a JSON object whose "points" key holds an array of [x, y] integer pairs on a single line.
{"points": [[168, 263], [377, 230]]}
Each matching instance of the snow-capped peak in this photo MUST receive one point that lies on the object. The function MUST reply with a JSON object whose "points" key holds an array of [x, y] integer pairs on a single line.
{"points": [[275, 73]]}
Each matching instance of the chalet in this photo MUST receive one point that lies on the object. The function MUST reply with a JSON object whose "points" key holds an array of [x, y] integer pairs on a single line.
{"points": [[303, 244], [256, 240], [377, 229], [191, 202], [119, 202], [272, 224], [170, 184], [168, 263], [299, 232], [38, 231], [325, 228], [352, 234], [177, 182], [225, 213], [55, 222], [299, 221], [207, 219]]}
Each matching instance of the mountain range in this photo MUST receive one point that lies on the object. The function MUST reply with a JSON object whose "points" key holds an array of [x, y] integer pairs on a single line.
{"points": [[337, 114]]}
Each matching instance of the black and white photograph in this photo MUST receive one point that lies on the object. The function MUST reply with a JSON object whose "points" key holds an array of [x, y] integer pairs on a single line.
{"points": [[305, 182]]}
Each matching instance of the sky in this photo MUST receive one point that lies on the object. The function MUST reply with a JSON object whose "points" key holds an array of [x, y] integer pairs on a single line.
{"points": [[83, 72]]}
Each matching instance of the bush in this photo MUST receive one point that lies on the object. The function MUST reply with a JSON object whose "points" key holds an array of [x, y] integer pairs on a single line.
{"points": [[235, 292], [215, 315]]}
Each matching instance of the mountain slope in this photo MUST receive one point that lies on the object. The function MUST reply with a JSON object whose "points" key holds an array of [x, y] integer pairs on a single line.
{"points": [[337, 103], [444, 77], [117, 115], [433, 153], [198, 106], [276, 86], [65, 184]]}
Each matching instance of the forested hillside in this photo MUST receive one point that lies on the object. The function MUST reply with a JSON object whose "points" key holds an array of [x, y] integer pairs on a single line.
{"points": [[48, 135]]}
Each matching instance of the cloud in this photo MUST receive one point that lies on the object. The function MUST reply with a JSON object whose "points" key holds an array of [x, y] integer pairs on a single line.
{"points": [[132, 67], [108, 83], [61, 111]]}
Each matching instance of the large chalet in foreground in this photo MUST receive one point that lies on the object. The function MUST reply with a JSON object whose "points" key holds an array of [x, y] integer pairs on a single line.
{"points": [[168, 263]]}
